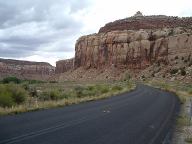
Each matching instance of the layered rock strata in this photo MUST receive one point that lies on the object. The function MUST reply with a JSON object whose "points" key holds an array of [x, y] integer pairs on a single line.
{"points": [[26, 69], [64, 65], [135, 49]]}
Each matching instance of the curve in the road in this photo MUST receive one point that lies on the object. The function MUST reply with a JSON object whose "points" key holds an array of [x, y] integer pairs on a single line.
{"points": [[143, 116]]}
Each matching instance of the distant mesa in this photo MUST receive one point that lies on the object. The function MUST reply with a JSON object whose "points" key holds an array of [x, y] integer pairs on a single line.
{"points": [[26, 69]]}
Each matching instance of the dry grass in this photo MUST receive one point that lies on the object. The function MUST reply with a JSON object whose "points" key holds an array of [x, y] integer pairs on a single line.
{"points": [[34, 103]]}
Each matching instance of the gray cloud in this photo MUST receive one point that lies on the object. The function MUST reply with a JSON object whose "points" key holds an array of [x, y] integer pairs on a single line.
{"points": [[31, 26]]}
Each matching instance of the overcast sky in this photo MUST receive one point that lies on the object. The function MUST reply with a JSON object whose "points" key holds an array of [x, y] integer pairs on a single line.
{"points": [[46, 30]]}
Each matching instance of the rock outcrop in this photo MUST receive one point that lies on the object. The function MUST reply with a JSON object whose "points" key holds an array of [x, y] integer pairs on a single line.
{"points": [[64, 65], [136, 42], [134, 49], [143, 45], [26, 69]]}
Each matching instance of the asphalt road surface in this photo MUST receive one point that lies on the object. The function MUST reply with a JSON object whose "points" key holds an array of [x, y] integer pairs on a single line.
{"points": [[143, 116]]}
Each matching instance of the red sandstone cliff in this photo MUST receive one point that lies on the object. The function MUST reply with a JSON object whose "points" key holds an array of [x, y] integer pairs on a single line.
{"points": [[135, 42], [64, 65], [25, 69], [135, 49], [138, 43]]}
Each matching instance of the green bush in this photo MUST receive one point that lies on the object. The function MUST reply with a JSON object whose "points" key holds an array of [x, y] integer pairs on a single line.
{"points": [[25, 86], [54, 95], [12, 94], [66, 95], [117, 88], [190, 91], [5, 98], [103, 88], [18, 93], [44, 96], [33, 91], [11, 80], [49, 95], [79, 91]]}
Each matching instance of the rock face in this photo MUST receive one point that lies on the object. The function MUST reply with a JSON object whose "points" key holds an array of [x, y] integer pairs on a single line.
{"points": [[26, 69], [133, 49], [136, 43], [64, 65], [141, 46]]}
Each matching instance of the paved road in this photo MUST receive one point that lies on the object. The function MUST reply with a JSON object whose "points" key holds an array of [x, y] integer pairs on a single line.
{"points": [[139, 117]]}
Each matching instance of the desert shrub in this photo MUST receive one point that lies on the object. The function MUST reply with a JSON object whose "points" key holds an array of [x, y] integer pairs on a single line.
{"points": [[49, 95], [171, 33], [183, 72], [190, 91], [79, 91], [54, 95], [173, 71], [66, 95], [33, 91], [185, 61], [143, 77], [90, 92], [11, 94], [91, 88], [176, 57], [5, 97], [102, 88], [25, 86], [11, 80], [84, 91], [44, 96], [18, 93], [117, 88]]}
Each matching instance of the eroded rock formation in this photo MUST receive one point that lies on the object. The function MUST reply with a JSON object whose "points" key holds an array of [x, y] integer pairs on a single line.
{"points": [[143, 46], [64, 65], [26, 69], [124, 44]]}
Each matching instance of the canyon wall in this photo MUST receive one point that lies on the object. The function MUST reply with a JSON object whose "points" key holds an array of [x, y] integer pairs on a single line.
{"points": [[26, 69], [142, 46], [135, 43], [64, 65], [133, 49]]}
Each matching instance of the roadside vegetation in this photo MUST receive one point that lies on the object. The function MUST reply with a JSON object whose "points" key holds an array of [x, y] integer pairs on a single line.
{"points": [[18, 96]]}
